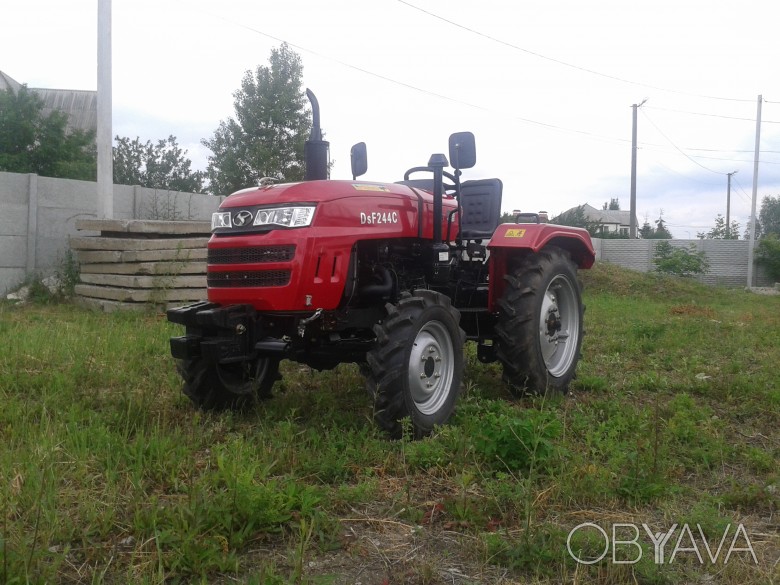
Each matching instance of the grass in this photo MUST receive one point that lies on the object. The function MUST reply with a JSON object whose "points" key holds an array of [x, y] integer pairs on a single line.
{"points": [[109, 476]]}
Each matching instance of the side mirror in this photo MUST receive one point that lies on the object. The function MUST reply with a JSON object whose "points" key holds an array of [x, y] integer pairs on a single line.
{"points": [[463, 150], [358, 157]]}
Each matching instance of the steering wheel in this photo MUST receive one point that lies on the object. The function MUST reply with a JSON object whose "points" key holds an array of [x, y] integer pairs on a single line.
{"points": [[448, 188]]}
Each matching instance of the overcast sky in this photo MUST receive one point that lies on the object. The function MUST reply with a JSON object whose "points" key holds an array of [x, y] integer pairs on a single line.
{"points": [[546, 87]]}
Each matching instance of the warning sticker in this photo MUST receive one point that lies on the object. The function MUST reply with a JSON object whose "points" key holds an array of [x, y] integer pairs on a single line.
{"points": [[515, 233], [364, 187]]}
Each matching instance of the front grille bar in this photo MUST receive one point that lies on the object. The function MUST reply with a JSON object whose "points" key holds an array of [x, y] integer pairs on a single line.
{"points": [[248, 278], [251, 255]]}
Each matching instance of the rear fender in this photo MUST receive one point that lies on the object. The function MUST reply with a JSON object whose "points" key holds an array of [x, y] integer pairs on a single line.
{"points": [[511, 242]]}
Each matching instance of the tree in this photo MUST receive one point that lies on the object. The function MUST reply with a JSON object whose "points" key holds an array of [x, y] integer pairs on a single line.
{"points": [[721, 231], [746, 235], [769, 216], [267, 136], [33, 143], [660, 232], [646, 232], [613, 205], [158, 166], [679, 261], [574, 217], [768, 229], [768, 255]]}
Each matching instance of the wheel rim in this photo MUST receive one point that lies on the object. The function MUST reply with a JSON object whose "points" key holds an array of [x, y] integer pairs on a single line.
{"points": [[431, 367], [559, 325], [243, 377]]}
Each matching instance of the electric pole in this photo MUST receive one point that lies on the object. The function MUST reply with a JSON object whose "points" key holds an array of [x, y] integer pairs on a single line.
{"points": [[728, 205], [632, 219], [105, 159], [752, 242]]}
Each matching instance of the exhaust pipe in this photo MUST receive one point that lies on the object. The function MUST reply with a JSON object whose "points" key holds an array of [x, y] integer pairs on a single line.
{"points": [[315, 152]]}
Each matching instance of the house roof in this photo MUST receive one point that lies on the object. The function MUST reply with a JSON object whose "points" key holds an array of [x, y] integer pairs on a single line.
{"points": [[608, 216], [79, 105], [8, 82]]}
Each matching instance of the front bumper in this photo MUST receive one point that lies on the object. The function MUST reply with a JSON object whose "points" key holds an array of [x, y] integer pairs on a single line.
{"points": [[221, 334]]}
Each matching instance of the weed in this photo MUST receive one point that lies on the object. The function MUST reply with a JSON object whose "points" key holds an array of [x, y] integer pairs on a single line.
{"points": [[68, 273], [111, 477], [516, 441]]}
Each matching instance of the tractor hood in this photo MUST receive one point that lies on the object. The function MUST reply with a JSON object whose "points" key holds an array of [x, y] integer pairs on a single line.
{"points": [[311, 192], [384, 209]]}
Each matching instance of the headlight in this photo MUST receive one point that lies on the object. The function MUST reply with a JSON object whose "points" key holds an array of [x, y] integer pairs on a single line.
{"points": [[220, 219], [285, 216]]}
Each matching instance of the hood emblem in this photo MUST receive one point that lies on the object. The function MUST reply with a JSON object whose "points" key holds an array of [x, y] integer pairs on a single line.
{"points": [[242, 218]]}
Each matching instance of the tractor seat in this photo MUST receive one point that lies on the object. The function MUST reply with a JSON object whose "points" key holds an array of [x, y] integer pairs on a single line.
{"points": [[480, 203]]}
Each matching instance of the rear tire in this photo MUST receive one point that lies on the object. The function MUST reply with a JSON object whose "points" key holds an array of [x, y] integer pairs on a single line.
{"points": [[416, 367], [211, 386], [540, 324]]}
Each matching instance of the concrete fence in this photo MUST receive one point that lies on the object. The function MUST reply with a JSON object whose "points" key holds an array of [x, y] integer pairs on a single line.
{"points": [[38, 216], [728, 258]]}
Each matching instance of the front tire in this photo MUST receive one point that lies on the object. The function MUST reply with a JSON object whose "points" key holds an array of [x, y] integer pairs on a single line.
{"points": [[211, 386], [540, 323], [416, 367]]}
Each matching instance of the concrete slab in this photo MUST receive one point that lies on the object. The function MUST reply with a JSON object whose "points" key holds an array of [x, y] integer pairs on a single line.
{"points": [[10, 279], [114, 306], [144, 268], [111, 306], [140, 295], [86, 256], [135, 244], [13, 220], [13, 252], [145, 226], [160, 282]]}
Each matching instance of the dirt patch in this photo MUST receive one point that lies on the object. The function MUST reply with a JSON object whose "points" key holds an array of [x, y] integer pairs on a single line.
{"points": [[693, 311]]}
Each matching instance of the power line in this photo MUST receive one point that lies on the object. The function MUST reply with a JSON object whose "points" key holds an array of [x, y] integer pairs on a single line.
{"points": [[742, 191], [731, 150], [547, 125], [686, 177], [425, 91], [564, 63], [734, 160], [678, 148], [712, 115]]}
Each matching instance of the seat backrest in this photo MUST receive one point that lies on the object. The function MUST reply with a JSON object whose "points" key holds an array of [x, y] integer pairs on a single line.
{"points": [[480, 203]]}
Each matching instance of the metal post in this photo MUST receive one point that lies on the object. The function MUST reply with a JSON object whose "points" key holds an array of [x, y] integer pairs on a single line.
{"points": [[728, 205], [105, 163], [752, 243], [632, 219], [632, 205]]}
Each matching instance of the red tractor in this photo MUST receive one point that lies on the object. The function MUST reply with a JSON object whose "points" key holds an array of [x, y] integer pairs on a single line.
{"points": [[395, 277]]}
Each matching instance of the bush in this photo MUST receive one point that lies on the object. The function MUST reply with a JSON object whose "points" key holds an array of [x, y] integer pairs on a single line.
{"points": [[518, 443], [768, 255], [679, 261]]}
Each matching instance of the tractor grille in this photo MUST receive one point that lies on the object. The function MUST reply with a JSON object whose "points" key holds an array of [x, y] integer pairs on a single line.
{"points": [[254, 255], [248, 278]]}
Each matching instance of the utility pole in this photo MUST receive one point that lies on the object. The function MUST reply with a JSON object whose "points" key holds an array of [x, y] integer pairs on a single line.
{"points": [[728, 204], [105, 160], [752, 243], [632, 218]]}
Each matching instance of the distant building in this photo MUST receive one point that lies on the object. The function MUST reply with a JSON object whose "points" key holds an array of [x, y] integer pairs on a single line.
{"points": [[79, 105], [612, 221]]}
